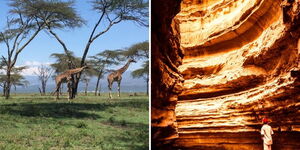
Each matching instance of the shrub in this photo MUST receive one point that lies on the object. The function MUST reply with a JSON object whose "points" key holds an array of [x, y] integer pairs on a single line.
{"points": [[81, 125]]}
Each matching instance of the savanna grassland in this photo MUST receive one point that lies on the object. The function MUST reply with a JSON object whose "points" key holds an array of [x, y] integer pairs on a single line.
{"points": [[30, 121]]}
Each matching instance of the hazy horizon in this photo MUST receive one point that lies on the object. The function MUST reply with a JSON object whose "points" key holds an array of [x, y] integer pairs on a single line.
{"points": [[128, 84]]}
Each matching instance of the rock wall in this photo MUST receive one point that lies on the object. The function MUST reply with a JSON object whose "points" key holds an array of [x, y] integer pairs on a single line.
{"points": [[166, 82], [219, 67], [241, 64]]}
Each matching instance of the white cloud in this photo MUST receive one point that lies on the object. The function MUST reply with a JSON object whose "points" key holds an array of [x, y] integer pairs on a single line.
{"points": [[32, 67], [35, 63], [30, 71]]}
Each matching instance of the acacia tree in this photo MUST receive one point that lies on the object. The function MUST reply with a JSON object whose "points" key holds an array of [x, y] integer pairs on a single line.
{"points": [[21, 28], [140, 51], [142, 72], [101, 61], [54, 14], [57, 14], [43, 73], [86, 78], [63, 61], [16, 79]]}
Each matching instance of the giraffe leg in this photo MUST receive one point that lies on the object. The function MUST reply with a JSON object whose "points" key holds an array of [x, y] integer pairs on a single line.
{"points": [[57, 95], [109, 88], [119, 87], [57, 90], [69, 90]]}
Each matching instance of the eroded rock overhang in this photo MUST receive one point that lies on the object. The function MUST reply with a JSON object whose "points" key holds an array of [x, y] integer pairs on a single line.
{"points": [[241, 63]]}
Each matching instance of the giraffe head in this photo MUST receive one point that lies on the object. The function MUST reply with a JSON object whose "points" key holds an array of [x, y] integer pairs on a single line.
{"points": [[85, 67]]}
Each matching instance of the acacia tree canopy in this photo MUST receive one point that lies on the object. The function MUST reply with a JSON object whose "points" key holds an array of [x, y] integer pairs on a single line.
{"points": [[62, 61], [19, 31], [142, 72], [53, 13], [131, 10], [102, 60], [140, 51], [16, 78]]}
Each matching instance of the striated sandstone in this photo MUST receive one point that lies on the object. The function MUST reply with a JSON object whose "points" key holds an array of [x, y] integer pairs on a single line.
{"points": [[166, 80], [241, 63]]}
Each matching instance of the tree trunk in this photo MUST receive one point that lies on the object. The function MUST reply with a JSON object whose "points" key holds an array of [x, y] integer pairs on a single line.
{"points": [[40, 91], [97, 84], [72, 91], [43, 88], [15, 89], [99, 93], [86, 88], [77, 77], [98, 81], [61, 88], [75, 85], [75, 81], [4, 88], [69, 91], [7, 87], [147, 86]]}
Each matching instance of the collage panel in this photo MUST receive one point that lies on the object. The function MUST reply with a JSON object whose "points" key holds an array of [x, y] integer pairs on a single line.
{"points": [[216, 75], [225, 74], [74, 74]]}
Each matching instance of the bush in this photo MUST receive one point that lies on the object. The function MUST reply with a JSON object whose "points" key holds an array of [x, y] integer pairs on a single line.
{"points": [[123, 123], [111, 120], [81, 125]]}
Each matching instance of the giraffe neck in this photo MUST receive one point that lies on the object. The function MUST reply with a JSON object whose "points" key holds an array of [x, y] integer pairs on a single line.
{"points": [[77, 70], [124, 68]]}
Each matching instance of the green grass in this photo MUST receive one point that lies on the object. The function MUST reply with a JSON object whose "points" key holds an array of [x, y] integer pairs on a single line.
{"points": [[39, 122]]}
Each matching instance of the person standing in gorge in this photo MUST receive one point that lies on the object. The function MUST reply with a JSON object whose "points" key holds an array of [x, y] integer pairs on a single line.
{"points": [[266, 134]]}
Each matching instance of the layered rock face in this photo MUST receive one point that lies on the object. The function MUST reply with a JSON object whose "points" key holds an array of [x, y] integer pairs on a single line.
{"points": [[166, 81], [241, 63], [218, 67]]}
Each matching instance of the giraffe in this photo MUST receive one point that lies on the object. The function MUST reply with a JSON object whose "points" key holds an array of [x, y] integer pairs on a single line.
{"points": [[117, 76], [66, 77]]}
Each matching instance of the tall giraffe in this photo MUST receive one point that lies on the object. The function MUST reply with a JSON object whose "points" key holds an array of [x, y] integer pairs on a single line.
{"points": [[66, 77], [117, 76]]}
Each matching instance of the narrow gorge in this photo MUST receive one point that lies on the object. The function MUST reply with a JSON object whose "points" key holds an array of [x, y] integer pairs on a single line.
{"points": [[219, 67]]}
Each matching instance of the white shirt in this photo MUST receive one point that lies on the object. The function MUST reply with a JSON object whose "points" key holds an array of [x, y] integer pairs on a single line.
{"points": [[267, 132]]}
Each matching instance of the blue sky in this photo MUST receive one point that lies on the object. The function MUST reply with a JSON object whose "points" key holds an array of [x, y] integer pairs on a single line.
{"points": [[39, 50]]}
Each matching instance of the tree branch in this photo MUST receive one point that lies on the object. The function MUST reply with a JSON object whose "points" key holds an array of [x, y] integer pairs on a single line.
{"points": [[26, 43], [108, 27], [96, 25], [60, 41], [63, 45], [5, 61], [15, 43], [92, 34]]}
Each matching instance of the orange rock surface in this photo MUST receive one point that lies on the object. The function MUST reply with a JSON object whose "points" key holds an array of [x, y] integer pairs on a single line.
{"points": [[240, 63]]}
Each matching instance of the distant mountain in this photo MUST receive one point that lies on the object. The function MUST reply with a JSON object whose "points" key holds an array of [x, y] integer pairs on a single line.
{"points": [[128, 84]]}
